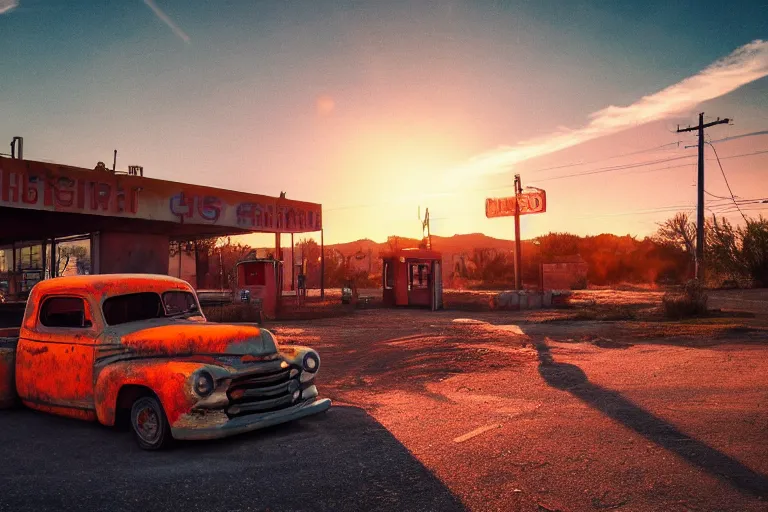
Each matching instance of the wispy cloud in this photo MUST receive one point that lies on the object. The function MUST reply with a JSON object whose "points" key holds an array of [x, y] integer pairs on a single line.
{"points": [[7, 6], [746, 64], [165, 19]]}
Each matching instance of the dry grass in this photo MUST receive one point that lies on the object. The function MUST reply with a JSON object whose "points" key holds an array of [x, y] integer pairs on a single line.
{"points": [[606, 313], [705, 330], [691, 302]]}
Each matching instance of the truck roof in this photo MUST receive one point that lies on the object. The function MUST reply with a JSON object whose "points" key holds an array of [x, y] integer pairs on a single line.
{"points": [[106, 285]]}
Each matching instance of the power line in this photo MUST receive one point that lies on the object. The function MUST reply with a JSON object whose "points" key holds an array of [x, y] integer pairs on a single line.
{"points": [[741, 135], [577, 164], [762, 152], [726, 182], [615, 168], [715, 196], [634, 168]]}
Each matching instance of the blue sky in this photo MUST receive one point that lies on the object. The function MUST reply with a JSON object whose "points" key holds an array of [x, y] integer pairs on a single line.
{"points": [[367, 106]]}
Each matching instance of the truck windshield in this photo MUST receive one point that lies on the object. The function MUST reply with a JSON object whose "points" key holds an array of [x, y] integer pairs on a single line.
{"points": [[134, 307]]}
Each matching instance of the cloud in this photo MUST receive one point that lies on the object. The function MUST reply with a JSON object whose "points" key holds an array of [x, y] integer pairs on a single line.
{"points": [[746, 64], [165, 19], [7, 6]]}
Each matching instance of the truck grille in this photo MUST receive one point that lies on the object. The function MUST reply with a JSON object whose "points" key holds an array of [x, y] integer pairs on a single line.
{"points": [[263, 392]]}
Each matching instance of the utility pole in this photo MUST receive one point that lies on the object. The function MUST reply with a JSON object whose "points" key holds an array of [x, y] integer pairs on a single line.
{"points": [[518, 258], [700, 203], [425, 224]]}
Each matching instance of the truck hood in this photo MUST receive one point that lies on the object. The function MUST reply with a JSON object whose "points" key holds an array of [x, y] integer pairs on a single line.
{"points": [[192, 338]]}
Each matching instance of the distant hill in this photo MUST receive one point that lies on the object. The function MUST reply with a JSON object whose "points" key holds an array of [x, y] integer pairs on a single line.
{"points": [[448, 244]]}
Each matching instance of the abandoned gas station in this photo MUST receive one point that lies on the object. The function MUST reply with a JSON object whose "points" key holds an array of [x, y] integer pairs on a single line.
{"points": [[121, 222]]}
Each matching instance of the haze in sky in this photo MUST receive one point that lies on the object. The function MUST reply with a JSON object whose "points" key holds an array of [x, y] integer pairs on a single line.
{"points": [[375, 109]]}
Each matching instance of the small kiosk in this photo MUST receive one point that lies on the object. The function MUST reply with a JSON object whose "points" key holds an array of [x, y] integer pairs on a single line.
{"points": [[259, 282], [413, 277]]}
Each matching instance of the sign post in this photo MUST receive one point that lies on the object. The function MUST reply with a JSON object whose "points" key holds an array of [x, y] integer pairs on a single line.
{"points": [[518, 256], [531, 201]]}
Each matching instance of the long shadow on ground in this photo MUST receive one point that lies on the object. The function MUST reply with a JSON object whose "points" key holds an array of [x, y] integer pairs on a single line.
{"points": [[571, 378], [340, 460]]}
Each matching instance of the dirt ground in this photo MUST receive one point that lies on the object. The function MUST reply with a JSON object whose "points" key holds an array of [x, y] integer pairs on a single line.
{"points": [[599, 406], [515, 414]]}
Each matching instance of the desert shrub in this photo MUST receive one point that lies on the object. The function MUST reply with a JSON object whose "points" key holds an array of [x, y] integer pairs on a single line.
{"points": [[580, 283], [691, 302]]}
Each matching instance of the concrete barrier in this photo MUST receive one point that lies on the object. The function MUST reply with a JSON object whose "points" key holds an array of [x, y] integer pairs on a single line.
{"points": [[521, 300]]}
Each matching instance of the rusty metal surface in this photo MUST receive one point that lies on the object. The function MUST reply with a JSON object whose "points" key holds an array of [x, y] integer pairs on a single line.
{"points": [[197, 431]]}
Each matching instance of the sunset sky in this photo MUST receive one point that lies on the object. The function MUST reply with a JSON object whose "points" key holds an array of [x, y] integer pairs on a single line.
{"points": [[374, 108]]}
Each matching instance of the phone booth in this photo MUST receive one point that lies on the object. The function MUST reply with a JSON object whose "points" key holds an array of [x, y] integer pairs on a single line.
{"points": [[413, 277], [259, 282]]}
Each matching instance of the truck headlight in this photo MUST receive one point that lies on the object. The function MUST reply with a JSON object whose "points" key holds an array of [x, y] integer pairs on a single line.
{"points": [[311, 362], [203, 384]]}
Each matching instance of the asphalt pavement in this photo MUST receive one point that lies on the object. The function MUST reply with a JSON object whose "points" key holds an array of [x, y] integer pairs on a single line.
{"points": [[339, 460]]}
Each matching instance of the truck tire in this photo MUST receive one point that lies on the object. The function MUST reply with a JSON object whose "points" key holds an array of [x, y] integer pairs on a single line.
{"points": [[149, 423]]}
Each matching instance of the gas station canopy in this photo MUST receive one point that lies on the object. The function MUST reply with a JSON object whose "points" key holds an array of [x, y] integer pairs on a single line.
{"points": [[41, 200]]}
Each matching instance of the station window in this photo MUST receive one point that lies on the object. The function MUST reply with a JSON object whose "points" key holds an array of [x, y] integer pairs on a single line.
{"points": [[419, 275], [389, 276], [64, 312], [6, 259]]}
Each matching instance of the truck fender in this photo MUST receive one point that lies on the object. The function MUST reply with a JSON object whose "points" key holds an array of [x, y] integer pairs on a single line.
{"points": [[170, 381], [294, 354]]}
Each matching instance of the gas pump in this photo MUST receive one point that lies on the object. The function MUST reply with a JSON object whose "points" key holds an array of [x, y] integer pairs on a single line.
{"points": [[258, 282]]}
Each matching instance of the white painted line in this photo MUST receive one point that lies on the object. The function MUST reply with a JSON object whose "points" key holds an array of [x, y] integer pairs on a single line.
{"points": [[476, 432]]}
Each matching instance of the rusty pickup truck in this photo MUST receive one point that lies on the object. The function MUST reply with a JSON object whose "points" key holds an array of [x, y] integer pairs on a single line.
{"points": [[137, 350]]}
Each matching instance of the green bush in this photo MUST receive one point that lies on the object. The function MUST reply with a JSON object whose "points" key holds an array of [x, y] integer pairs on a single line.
{"points": [[691, 302]]}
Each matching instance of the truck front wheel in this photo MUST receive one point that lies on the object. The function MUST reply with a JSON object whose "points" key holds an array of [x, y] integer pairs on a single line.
{"points": [[149, 423]]}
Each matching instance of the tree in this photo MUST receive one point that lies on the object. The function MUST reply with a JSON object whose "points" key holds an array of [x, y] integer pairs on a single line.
{"points": [[723, 252], [678, 231], [553, 245], [335, 268], [754, 250], [310, 254], [64, 255], [739, 254], [226, 256]]}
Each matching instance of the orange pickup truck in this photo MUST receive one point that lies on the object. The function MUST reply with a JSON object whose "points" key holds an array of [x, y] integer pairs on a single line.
{"points": [[137, 349]]}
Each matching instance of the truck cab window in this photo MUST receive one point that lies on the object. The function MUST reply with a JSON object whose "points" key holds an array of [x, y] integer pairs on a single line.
{"points": [[177, 303], [132, 307], [64, 312]]}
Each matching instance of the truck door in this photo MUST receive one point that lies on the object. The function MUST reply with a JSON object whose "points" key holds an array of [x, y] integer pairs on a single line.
{"points": [[55, 359]]}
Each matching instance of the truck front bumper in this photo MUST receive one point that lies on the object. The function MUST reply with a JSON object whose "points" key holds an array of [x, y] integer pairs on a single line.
{"points": [[242, 424]]}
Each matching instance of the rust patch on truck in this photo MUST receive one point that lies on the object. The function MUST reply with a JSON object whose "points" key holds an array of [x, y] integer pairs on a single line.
{"points": [[169, 380], [39, 350], [197, 338]]}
